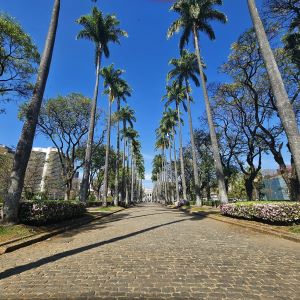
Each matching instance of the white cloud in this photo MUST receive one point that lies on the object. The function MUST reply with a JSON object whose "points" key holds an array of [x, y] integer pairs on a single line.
{"points": [[148, 156], [148, 176]]}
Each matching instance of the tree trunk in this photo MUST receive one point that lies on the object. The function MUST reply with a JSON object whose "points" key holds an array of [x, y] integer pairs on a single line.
{"points": [[171, 172], [249, 188], [104, 202], [23, 150], [213, 137], [124, 163], [195, 169], [132, 177], [116, 199], [176, 172], [181, 155], [88, 153], [283, 105], [126, 180]]}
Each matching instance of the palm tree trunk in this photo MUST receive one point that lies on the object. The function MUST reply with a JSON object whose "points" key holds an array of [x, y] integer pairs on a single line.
{"points": [[124, 164], [181, 155], [175, 167], [88, 153], [171, 172], [127, 173], [213, 137], [284, 107], [165, 174], [116, 200], [23, 150], [195, 169], [132, 177], [104, 203]]}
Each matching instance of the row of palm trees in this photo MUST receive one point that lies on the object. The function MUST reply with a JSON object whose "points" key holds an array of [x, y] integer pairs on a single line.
{"points": [[195, 17], [101, 30]]}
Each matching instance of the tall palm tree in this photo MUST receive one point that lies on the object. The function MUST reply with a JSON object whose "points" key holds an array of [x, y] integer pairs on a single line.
{"points": [[135, 153], [112, 84], [176, 94], [131, 135], [194, 16], [184, 69], [161, 142], [101, 30], [23, 150], [283, 104], [126, 116], [169, 121], [123, 91]]}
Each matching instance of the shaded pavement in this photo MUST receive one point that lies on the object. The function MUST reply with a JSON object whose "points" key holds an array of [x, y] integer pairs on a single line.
{"points": [[150, 252]]}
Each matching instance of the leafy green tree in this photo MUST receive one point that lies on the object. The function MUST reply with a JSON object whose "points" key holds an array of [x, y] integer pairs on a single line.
{"points": [[23, 150], [287, 14], [101, 30], [64, 120], [194, 17], [284, 107], [246, 67], [18, 60]]}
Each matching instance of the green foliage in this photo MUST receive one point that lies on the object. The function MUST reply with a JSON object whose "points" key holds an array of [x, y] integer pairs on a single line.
{"points": [[101, 30], [195, 13], [18, 60], [48, 212]]}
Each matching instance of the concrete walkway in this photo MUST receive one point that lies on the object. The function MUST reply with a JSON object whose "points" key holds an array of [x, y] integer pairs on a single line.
{"points": [[149, 252]]}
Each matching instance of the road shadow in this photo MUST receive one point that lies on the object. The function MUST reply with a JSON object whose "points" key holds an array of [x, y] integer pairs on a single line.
{"points": [[21, 269]]}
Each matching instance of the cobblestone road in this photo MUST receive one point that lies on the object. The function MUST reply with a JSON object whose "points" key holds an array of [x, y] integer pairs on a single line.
{"points": [[149, 252]]}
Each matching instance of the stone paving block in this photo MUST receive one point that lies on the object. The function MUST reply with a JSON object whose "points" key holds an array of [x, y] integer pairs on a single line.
{"points": [[154, 253]]}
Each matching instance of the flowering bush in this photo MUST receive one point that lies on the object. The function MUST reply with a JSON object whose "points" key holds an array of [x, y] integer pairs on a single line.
{"points": [[280, 212], [47, 212]]}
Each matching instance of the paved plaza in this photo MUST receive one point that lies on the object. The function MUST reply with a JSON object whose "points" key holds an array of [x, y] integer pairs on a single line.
{"points": [[150, 252]]}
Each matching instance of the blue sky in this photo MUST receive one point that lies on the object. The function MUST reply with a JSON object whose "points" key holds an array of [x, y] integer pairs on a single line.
{"points": [[144, 56]]}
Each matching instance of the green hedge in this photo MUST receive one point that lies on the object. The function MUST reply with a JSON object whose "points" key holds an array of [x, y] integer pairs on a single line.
{"points": [[272, 212], [48, 212]]}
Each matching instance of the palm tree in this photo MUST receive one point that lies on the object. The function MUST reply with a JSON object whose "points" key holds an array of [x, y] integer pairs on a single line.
{"points": [[161, 142], [169, 122], [195, 16], [284, 107], [114, 86], [123, 91], [131, 135], [126, 116], [176, 94], [100, 30], [135, 153], [185, 68], [23, 150]]}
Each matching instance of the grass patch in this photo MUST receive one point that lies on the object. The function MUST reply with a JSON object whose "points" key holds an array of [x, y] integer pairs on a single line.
{"points": [[12, 232], [105, 209], [295, 229]]}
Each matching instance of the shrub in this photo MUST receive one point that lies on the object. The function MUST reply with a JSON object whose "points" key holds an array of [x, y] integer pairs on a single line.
{"points": [[48, 212], [280, 212]]}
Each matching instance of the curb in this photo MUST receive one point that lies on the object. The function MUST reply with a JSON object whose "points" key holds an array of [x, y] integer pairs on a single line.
{"points": [[257, 228], [30, 240]]}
